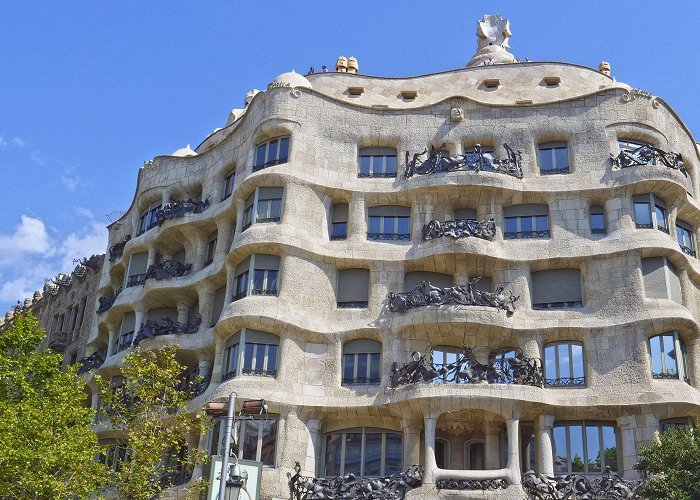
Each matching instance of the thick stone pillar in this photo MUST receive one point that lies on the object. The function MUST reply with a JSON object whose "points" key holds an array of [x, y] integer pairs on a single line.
{"points": [[224, 236], [411, 442], [183, 314], [627, 425], [228, 296], [544, 449], [151, 256], [112, 338], [205, 295], [313, 447], [139, 319], [513, 463], [357, 218], [491, 446], [430, 464]]}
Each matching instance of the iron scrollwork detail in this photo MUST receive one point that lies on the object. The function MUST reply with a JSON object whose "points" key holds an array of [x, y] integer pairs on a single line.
{"points": [[176, 209], [439, 160], [425, 294], [460, 228], [166, 326], [471, 484], [166, 269], [350, 487], [578, 487], [117, 250], [466, 369], [107, 302], [92, 362], [649, 155]]}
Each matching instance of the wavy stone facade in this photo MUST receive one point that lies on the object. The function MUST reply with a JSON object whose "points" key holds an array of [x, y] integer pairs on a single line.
{"points": [[476, 429]]}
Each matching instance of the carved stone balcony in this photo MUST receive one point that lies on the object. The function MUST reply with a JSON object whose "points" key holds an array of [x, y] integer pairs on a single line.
{"points": [[117, 250], [165, 326], [167, 269], [58, 341], [176, 209], [439, 160], [92, 362], [649, 155], [107, 302], [424, 294], [461, 228], [577, 486], [467, 370]]}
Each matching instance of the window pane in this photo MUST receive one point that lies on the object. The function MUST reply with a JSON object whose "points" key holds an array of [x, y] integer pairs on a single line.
{"points": [[542, 222], [272, 151], [561, 157], [660, 217], [365, 162], [610, 447], [260, 156], [593, 449], [269, 438], [259, 279], [272, 280], [669, 354], [375, 224], [373, 454], [525, 224], [259, 361], [377, 164], [333, 454], [642, 213], [390, 166], [576, 440], [598, 221], [284, 148], [546, 159], [577, 360], [275, 209], [272, 358], [353, 453], [242, 283], [362, 365], [374, 366], [403, 225], [393, 454], [550, 367], [564, 360], [233, 358], [249, 444], [560, 451], [248, 356], [339, 229], [656, 357], [389, 225], [348, 367], [511, 224]]}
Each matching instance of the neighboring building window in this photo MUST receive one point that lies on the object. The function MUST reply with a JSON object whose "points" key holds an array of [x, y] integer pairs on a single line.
{"points": [[629, 146], [148, 218], [661, 279], [362, 362], [668, 355], [126, 333], [339, 221], [264, 205], [256, 438], [465, 214], [443, 357], [597, 214], [115, 454], [413, 278], [227, 187], [526, 221], [389, 222], [254, 351], [353, 288], [686, 240], [563, 364], [210, 249], [650, 212], [675, 423], [584, 448], [136, 274], [556, 288], [363, 452], [272, 152], [263, 280], [554, 158], [377, 162]]}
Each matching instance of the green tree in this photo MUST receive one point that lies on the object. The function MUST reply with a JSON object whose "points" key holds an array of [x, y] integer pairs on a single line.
{"points": [[47, 447], [672, 466], [150, 409]]}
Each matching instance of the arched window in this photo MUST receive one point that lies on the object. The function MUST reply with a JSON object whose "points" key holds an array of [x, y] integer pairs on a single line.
{"points": [[584, 447], [362, 362], [650, 212], [339, 221], [474, 454], [597, 215], [564, 364], [251, 352], [442, 453], [365, 452], [668, 356], [554, 158], [272, 152]]}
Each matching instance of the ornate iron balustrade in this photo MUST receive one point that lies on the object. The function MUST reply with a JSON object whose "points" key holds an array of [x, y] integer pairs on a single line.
{"points": [[460, 228], [135, 280], [350, 487], [107, 302], [557, 305], [466, 370], [58, 341], [167, 269], [257, 372], [381, 175], [439, 160], [649, 155], [688, 251], [565, 382], [473, 484], [665, 375], [361, 381], [335, 237], [177, 209], [270, 163], [352, 305], [609, 486], [388, 236], [117, 250], [425, 294], [201, 386], [166, 326], [270, 292], [239, 296], [93, 361], [267, 219], [93, 263], [555, 171], [523, 235], [598, 231]]}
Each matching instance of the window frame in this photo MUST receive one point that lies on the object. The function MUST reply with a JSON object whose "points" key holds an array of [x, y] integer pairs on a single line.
{"points": [[652, 206], [586, 424], [215, 436], [382, 171], [684, 229], [268, 161], [148, 217], [210, 249], [249, 277], [253, 210], [549, 149], [681, 361], [235, 350], [373, 362], [558, 380], [668, 424], [546, 306], [520, 234], [228, 183], [364, 431], [599, 211]]}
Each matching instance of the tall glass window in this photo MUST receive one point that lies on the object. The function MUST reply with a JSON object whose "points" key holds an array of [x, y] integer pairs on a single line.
{"points": [[668, 356], [362, 362], [272, 152], [389, 222], [554, 158], [597, 214], [364, 452], [684, 235], [227, 187], [584, 448], [526, 221], [445, 357], [377, 162], [256, 352], [256, 438], [650, 212], [564, 365]]}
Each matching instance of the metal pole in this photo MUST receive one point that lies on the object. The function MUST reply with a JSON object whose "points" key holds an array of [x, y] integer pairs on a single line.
{"points": [[227, 445]]}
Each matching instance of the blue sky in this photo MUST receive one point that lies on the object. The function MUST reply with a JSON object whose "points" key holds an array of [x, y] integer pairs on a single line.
{"points": [[89, 90]]}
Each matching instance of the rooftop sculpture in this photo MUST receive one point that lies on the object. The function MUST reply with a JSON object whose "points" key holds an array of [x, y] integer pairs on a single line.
{"points": [[493, 33]]}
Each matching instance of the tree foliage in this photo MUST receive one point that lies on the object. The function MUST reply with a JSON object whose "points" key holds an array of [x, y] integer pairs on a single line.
{"points": [[150, 410], [672, 466], [47, 447]]}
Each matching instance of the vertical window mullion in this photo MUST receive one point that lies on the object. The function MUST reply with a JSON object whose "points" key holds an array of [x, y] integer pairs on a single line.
{"points": [[382, 466], [241, 351], [679, 356], [342, 453], [251, 275], [662, 354], [362, 454], [557, 370], [568, 448], [570, 347], [254, 215], [258, 448], [601, 447]]}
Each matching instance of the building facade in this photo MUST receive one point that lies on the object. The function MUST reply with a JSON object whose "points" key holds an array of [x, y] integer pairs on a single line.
{"points": [[483, 272]]}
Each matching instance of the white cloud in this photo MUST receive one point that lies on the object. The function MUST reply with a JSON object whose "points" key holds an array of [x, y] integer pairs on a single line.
{"points": [[15, 142], [19, 142], [29, 238], [75, 246], [24, 285], [71, 183], [84, 212]]}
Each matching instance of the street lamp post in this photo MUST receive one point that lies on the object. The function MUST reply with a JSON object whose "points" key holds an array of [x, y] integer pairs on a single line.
{"points": [[230, 479]]}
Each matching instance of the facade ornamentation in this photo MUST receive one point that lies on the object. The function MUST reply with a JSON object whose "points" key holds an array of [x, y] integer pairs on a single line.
{"points": [[456, 115], [92, 362], [466, 484], [166, 326], [63, 280], [461, 228], [116, 250], [425, 294], [58, 340], [107, 302], [167, 269], [467, 370], [176, 209], [649, 155], [439, 160], [635, 93], [350, 487], [609, 486]]}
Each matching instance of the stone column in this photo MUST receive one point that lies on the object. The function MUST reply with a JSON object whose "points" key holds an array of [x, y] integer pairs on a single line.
{"points": [[491, 446], [544, 441], [183, 313], [313, 447], [224, 236], [228, 296], [430, 464], [205, 295], [357, 218], [411, 442], [513, 463], [627, 425], [151, 256], [112, 337]]}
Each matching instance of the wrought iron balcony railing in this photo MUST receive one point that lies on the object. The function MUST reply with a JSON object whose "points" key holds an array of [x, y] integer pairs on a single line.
{"points": [[523, 235], [267, 219], [92, 362], [460, 228], [471, 484], [270, 292], [176, 209], [167, 269], [380, 175], [557, 305], [258, 372], [270, 163], [597, 230], [565, 382], [117, 250], [107, 302], [361, 381], [466, 369], [335, 237], [649, 155], [439, 160], [554, 171], [353, 305], [688, 251], [388, 236], [135, 280], [608, 485], [166, 326]]}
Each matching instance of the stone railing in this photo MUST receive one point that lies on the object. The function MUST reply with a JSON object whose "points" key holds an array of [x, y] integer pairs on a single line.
{"points": [[609, 486], [165, 326], [461, 228], [117, 250], [350, 487], [439, 160], [424, 294], [107, 302], [167, 269], [176, 209], [467, 370], [92, 362], [649, 155]]}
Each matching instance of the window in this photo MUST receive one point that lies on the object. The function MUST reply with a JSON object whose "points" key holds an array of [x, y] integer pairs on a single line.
{"points": [[668, 355], [256, 437], [218, 305], [148, 218], [556, 288], [626, 145], [526, 221], [364, 452], [442, 453], [554, 158], [362, 362], [265, 276], [115, 454], [227, 187], [126, 333], [353, 288], [272, 152], [474, 454], [650, 212], [264, 205], [584, 447], [389, 222], [675, 423], [253, 350], [377, 162], [443, 356], [137, 269], [465, 214], [339, 221], [684, 235], [597, 214], [661, 280], [563, 364], [210, 249], [413, 278]]}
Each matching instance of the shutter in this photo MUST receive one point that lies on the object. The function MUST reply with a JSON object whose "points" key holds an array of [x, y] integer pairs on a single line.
{"points": [[137, 263], [674, 282], [389, 211], [180, 256], [128, 323], [484, 285], [654, 272], [552, 145], [641, 198], [377, 151], [465, 213], [270, 262], [258, 337], [439, 280], [234, 339], [525, 210], [270, 193], [340, 212], [556, 285], [218, 306], [242, 266], [162, 312], [353, 285], [362, 346], [597, 210]]}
